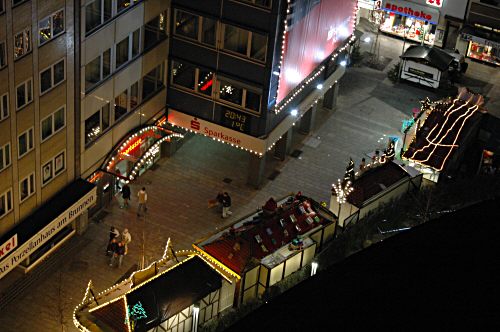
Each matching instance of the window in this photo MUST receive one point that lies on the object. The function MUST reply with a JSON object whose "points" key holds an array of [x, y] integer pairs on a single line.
{"points": [[128, 48], [152, 82], [53, 167], [2, 6], [202, 29], [27, 187], [3, 53], [24, 93], [25, 142], [96, 124], [4, 156], [134, 96], [4, 106], [183, 74], [155, 31], [121, 5], [96, 13], [22, 43], [262, 3], [50, 27], [239, 95], [53, 123], [244, 42], [97, 70], [5, 203], [17, 2], [121, 102], [52, 76]]}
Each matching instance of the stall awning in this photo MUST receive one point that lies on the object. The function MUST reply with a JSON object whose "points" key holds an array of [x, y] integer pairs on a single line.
{"points": [[481, 36], [53, 216], [432, 55]]}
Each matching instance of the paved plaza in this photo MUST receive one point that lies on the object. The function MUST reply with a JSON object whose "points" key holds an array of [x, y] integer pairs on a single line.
{"points": [[369, 110]]}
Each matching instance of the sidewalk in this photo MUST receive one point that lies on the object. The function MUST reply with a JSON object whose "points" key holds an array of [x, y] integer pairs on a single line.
{"points": [[369, 108]]}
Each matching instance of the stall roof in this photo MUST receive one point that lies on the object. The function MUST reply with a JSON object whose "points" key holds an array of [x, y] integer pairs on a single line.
{"points": [[434, 56], [374, 181], [236, 247], [444, 131], [163, 296], [439, 275]]}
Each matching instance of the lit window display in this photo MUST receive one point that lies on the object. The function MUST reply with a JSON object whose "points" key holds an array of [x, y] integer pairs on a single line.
{"points": [[483, 52], [408, 27]]}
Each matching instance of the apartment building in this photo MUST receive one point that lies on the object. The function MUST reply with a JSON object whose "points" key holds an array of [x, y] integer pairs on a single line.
{"points": [[244, 72]]}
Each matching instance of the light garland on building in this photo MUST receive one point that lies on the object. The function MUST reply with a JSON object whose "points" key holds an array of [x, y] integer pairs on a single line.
{"points": [[213, 260], [342, 191]]}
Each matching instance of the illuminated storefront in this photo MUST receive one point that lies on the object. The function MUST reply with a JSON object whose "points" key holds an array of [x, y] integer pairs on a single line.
{"points": [[483, 43], [409, 20]]}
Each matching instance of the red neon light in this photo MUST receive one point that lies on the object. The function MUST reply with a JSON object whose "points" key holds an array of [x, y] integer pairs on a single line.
{"points": [[207, 85], [133, 146]]}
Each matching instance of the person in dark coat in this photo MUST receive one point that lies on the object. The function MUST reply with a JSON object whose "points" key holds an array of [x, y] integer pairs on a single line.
{"points": [[226, 205], [126, 195], [112, 246]]}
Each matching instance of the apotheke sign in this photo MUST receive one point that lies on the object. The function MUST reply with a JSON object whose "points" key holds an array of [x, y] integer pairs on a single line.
{"points": [[411, 9], [27, 248], [216, 131]]}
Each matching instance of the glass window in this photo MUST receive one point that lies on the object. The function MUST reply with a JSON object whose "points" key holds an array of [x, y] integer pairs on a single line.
{"points": [[3, 54], [183, 74], [121, 102], [46, 80], [27, 187], [208, 29], [235, 39], [47, 128], [4, 106], [105, 116], [155, 31], [258, 46], [59, 118], [136, 43], [152, 82], [59, 72], [58, 22], [44, 30], [93, 15], [134, 96], [25, 142], [4, 156], [52, 76], [24, 94], [22, 43], [230, 92], [2, 6], [92, 73], [50, 27], [121, 5], [252, 101], [93, 127], [5, 202], [122, 52], [205, 82], [106, 63], [59, 163], [186, 24]]}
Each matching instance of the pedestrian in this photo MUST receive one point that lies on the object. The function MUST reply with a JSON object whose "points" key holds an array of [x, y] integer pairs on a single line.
{"points": [[119, 253], [362, 165], [219, 198], [126, 238], [376, 156], [113, 233], [226, 205], [112, 247], [117, 180], [143, 198], [126, 195]]}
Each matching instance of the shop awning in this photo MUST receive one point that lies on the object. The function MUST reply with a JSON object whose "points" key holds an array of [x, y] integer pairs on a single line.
{"points": [[432, 55], [44, 223], [481, 36]]}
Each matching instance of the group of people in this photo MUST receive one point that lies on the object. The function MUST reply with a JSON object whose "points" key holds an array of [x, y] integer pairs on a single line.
{"points": [[142, 197], [117, 246]]}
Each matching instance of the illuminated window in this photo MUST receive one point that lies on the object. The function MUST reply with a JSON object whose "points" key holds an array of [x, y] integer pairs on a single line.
{"points": [[230, 92], [24, 93], [5, 202], [52, 76], [201, 29], [22, 43], [4, 106], [121, 102], [205, 82], [50, 27], [155, 31], [25, 143], [96, 124], [53, 123], [27, 187], [247, 43], [238, 94], [4, 156], [121, 5], [183, 74], [128, 48]]}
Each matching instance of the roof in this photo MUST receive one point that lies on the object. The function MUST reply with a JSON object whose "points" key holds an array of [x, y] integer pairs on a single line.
{"points": [[443, 132], [161, 297], [374, 181], [237, 248], [49, 211], [439, 275], [434, 56]]}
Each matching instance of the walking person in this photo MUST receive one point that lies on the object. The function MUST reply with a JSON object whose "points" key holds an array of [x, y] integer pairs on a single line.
{"points": [[120, 252], [112, 248], [143, 198], [226, 205], [113, 233], [126, 195], [126, 238]]}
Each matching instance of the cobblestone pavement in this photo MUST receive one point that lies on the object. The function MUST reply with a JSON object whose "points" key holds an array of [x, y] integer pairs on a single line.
{"points": [[369, 108]]}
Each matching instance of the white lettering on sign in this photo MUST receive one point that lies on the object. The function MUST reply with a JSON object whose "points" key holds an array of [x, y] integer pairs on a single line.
{"points": [[47, 232], [435, 3], [411, 9], [8, 246]]}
